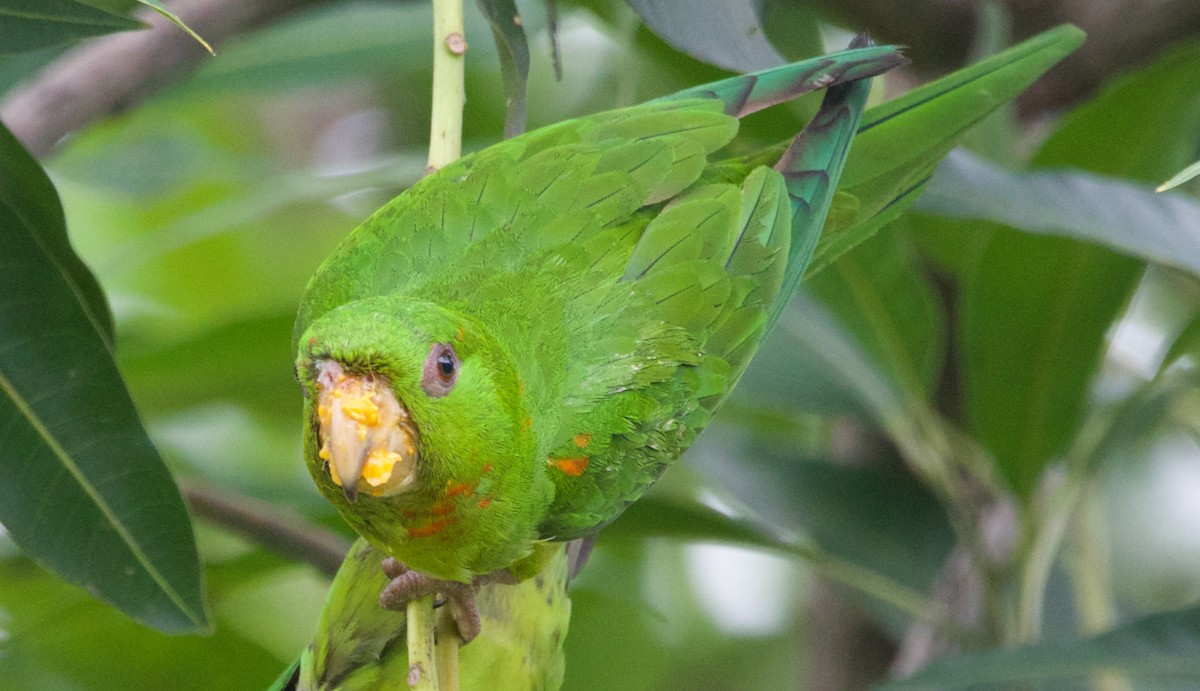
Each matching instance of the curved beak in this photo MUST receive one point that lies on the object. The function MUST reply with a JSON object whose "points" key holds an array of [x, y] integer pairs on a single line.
{"points": [[366, 436], [347, 447]]}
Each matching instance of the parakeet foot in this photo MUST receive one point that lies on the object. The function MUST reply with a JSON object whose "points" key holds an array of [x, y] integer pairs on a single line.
{"points": [[409, 585]]}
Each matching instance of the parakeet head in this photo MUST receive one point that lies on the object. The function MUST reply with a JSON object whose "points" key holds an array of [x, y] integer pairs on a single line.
{"points": [[401, 393]]}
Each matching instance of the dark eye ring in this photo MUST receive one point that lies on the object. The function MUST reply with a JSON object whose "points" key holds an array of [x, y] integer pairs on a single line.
{"points": [[440, 371]]}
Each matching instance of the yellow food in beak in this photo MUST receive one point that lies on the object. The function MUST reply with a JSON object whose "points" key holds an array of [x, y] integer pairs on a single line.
{"points": [[366, 436]]}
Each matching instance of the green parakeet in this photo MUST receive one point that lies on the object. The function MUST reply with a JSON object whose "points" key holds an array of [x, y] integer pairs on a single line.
{"points": [[361, 647], [510, 352]]}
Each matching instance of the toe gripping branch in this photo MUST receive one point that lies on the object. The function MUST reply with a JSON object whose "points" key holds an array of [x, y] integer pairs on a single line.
{"points": [[408, 585]]}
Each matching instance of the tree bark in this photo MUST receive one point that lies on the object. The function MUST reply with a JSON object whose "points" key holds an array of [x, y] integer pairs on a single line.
{"points": [[110, 74]]}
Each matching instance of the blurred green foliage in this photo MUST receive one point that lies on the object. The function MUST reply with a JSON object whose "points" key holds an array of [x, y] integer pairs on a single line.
{"points": [[1038, 352]]}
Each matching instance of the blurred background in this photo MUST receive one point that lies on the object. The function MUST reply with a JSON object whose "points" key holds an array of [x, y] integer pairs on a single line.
{"points": [[205, 208]]}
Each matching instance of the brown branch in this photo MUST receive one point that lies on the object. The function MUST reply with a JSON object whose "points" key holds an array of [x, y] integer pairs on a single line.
{"points": [[107, 75], [938, 34], [1122, 35], [276, 528]]}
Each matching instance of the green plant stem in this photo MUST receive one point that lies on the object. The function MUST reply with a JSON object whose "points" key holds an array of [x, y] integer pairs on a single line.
{"points": [[425, 657], [422, 665], [449, 96], [446, 650], [1089, 570], [1040, 557], [1061, 504]]}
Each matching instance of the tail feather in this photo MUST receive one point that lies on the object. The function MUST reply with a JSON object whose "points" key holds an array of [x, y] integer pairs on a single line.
{"points": [[811, 167], [750, 93]]}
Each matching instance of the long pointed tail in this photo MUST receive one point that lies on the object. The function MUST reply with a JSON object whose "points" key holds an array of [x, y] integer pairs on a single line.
{"points": [[750, 93], [811, 167]]}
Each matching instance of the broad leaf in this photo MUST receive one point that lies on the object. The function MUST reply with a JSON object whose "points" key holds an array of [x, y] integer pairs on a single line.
{"points": [[656, 516], [810, 362], [900, 142], [1037, 309], [1125, 216], [25, 186], [880, 294], [59, 637], [1035, 313], [684, 519], [513, 49], [27, 25], [85, 493], [113, 6], [1143, 126], [894, 526], [727, 34], [1162, 648]]}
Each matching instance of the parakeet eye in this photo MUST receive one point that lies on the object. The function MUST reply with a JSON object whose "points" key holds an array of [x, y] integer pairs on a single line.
{"points": [[441, 370]]}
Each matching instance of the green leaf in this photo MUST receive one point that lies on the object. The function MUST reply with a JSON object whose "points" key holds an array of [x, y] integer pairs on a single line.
{"points": [[174, 19], [287, 679], [59, 637], [894, 526], [1179, 178], [391, 44], [793, 28], [1037, 309], [657, 516], [726, 34], [936, 114], [1125, 216], [901, 142], [1143, 126], [513, 50], [85, 494], [881, 295], [683, 519], [27, 25], [1035, 313], [25, 186], [1162, 647], [112, 6], [811, 362], [1185, 344]]}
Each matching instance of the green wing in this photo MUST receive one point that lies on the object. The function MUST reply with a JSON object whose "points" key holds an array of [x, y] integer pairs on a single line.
{"points": [[717, 264], [629, 285]]}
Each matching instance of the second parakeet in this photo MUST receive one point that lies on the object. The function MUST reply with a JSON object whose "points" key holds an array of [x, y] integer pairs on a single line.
{"points": [[511, 351]]}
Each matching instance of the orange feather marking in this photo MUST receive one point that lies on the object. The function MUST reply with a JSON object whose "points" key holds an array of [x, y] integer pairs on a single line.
{"points": [[454, 489], [582, 439], [432, 528], [571, 466]]}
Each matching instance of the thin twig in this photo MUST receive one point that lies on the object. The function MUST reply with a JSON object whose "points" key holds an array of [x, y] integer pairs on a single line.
{"points": [[446, 649], [445, 146], [449, 95], [107, 75], [422, 663], [274, 527]]}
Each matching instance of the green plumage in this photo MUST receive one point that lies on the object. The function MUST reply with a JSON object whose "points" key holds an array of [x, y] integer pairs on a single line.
{"points": [[603, 281], [360, 647]]}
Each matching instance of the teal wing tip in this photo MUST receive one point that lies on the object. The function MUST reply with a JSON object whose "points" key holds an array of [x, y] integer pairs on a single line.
{"points": [[288, 679], [749, 93]]}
